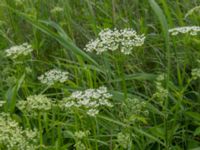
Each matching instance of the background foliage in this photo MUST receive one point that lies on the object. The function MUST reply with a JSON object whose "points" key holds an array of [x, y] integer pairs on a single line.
{"points": [[58, 38]]}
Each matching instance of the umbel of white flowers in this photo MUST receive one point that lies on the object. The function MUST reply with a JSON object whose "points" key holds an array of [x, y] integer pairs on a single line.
{"points": [[161, 92], [192, 30], [81, 134], [90, 99], [57, 9], [18, 50], [123, 139], [34, 104], [13, 137], [195, 73], [111, 40], [2, 103], [53, 76]]}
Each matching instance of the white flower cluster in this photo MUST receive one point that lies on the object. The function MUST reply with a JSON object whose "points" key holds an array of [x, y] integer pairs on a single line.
{"points": [[139, 107], [134, 108], [80, 146], [56, 10], [90, 99], [13, 137], [53, 76], [2, 103], [111, 40], [123, 140], [35, 104], [195, 73], [161, 93], [18, 50], [81, 134], [192, 30]]}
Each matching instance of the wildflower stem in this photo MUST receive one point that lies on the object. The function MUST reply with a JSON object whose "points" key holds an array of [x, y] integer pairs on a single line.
{"points": [[122, 74], [95, 133], [40, 128]]}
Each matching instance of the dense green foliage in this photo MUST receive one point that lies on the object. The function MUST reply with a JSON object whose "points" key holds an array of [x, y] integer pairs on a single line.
{"points": [[156, 89]]}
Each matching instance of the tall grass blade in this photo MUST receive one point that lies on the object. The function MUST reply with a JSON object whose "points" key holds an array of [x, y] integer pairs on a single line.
{"points": [[62, 37]]}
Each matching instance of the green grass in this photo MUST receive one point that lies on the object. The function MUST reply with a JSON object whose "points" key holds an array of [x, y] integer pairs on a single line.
{"points": [[58, 40]]}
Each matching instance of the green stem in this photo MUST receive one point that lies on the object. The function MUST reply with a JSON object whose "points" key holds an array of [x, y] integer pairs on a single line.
{"points": [[95, 134], [122, 74], [40, 129]]}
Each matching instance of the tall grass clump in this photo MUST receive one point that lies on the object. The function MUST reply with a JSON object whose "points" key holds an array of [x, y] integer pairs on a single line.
{"points": [[99, 75]]}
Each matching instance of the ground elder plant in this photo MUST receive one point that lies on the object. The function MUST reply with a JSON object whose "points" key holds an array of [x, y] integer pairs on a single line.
{"points": [[123, 140], [195, 73], [91, 100], [191, 30], [161, 92], [53, 76], [19, 50], [81, 134], [35, 104], [57, 9], [14, 137], [134, 110], [123, 40]]}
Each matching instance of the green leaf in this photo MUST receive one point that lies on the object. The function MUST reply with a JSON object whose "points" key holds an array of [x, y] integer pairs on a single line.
{"points": [[163, 21], [157, 131], [136, 76], [149, 136], [111, 120], [197, 131], [194, 115], [12, 94], [160, 16]]}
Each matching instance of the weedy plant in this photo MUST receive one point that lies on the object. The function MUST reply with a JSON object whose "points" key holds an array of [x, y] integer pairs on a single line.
{"points": [[99, 75]]}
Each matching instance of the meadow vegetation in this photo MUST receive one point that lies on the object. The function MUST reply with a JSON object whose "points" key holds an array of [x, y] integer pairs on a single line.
{"points": [[99, 75]]}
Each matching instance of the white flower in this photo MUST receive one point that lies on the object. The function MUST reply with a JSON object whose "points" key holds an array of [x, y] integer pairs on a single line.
{"points": [[161, 92], [160, 77], [80, 146], [13, 137], [57, 9], [123, 139], [53, 76], [138, 106], [35, 104], [69, 104], [195, 73], [92, 112], [16, 51], [2, 103], [90, 99], [111, 40], [81, 134], [105, 102], [192, 30], [76, 94]]}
